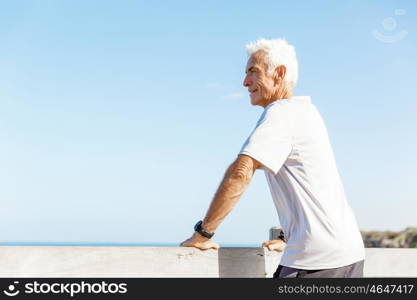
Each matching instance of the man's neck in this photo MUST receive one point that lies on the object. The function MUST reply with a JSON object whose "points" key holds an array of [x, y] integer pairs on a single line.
{"points": [[287, 94]]}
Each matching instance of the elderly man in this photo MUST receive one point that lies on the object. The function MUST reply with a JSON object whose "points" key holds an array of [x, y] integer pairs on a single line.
{"points": [[290, 143]]}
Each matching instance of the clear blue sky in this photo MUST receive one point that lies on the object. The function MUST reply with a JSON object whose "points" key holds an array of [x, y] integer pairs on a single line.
{"points": [[119, 118]]}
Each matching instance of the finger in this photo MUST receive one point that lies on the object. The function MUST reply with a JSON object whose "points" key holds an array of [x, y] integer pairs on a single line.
{"points": [[204, 246], [208, 245], [273, 242], [266, 243], [274, 246], [277, 247], [215, 246]]}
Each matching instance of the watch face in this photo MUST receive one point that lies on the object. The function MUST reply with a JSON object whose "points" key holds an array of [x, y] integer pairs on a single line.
{"points": [[200, 230], [198, 225]]}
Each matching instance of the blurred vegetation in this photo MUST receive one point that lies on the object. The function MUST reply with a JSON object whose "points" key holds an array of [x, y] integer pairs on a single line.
{"points": [[391, 239]]}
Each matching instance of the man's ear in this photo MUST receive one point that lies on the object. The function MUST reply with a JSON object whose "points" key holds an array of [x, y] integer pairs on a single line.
{"points": [[279, 74]]}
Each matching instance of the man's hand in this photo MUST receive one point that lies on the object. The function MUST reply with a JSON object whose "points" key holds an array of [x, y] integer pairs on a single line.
{"points": [[200, 242], [277, 245]]}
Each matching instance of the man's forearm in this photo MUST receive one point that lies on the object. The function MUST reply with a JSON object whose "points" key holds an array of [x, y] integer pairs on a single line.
{"points": [[232, 187]]}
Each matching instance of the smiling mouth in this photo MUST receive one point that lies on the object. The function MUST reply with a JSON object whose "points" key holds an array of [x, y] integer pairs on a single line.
{"points": [[253, 91]]}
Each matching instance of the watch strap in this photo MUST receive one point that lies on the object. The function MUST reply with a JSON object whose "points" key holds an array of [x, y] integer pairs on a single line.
{"points": [[201, 231]]}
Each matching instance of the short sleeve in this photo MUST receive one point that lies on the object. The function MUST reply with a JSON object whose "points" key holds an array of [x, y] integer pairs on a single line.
{"points": [[270, 142]]}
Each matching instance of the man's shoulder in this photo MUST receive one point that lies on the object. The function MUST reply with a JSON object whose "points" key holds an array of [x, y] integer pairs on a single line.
{"points": [[276, 109]]}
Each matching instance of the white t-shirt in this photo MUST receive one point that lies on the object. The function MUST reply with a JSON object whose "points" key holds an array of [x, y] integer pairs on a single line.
{"points": [[291, 141]]}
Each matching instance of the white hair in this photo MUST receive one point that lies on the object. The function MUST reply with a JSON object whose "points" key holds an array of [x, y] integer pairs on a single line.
{"points": [[278, 52]]}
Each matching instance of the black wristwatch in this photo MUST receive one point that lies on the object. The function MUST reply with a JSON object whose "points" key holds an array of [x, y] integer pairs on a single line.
{"points": [[282, 236], [200, 230]]}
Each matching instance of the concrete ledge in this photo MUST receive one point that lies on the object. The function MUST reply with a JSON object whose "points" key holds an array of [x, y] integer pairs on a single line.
{"points": [[70, 261]]}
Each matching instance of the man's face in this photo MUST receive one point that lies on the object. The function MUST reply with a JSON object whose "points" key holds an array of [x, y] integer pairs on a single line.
{"points": [[260, 84]]}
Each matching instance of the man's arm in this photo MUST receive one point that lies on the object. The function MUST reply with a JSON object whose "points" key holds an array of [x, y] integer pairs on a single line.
{"points": [[234, 183]]}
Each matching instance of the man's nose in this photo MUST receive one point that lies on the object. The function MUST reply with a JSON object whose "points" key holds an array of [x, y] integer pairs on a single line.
{"points": [[246, 82]]}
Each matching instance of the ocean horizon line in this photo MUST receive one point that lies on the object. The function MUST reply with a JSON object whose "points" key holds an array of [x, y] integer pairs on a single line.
{"points": [[112, 244]]}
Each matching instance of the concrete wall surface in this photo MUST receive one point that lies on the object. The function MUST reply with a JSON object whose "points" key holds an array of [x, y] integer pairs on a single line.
{"points": [[70, 261]]}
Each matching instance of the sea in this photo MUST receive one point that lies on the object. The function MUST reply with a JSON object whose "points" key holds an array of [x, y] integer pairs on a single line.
{"points": [[93, 244]]}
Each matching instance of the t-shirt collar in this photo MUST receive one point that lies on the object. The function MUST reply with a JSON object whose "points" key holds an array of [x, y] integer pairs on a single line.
{"points": [[306, 99]]}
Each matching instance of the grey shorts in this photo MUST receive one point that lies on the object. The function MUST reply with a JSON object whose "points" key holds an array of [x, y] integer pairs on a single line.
{"points": [[354, 270]]}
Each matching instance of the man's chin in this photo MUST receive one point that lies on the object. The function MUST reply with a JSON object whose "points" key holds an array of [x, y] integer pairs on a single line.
{"points": [[254, 101]]}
